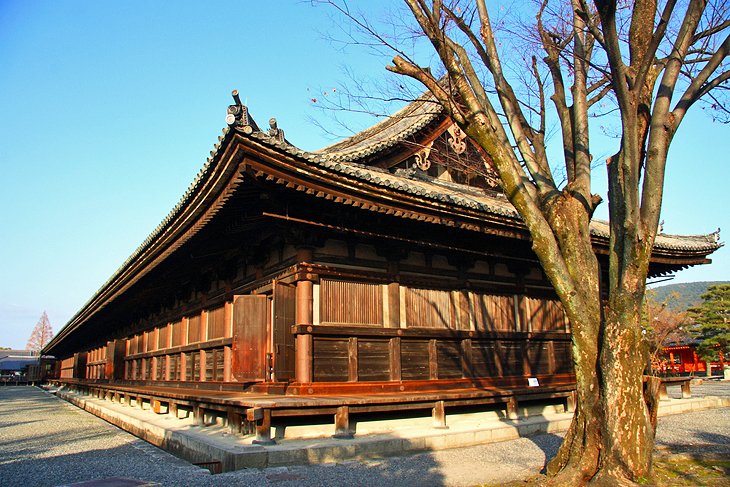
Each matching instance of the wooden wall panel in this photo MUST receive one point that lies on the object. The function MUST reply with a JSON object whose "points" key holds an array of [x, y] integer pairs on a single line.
{"points": [[354, 303], [414, 359], [67, 368], [492, 312], [538, 356], [250, 321], [484, 359], [216, 323], [511, 357], [563, 359], [449, 360], [331, 360], [163, 337], [177, 334], [194, 329], [373, 360], [430, 308], [546, 314]]}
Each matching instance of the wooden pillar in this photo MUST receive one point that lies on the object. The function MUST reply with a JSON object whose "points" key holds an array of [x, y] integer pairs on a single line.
{"points": [[342, 423], [433, 368], [199, 414], [393, 317], [157, 407], [686, 392], [183, 367], [262, 417], [203, 364], [303, 316], [234, 420], [227, 358], [570, 402], [394, 350], [439, 415], [467, 366], [511, 404], [165, 367], [352, 360]]}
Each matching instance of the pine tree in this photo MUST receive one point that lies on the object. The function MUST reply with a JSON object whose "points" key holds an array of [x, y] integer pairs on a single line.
{"points": [[713, 322], [41, 334]]}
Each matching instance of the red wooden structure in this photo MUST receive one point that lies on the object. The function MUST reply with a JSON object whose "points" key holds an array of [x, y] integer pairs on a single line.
{"points": [[682, 359]]}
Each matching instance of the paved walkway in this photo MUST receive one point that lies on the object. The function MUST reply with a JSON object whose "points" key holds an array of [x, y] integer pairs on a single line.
{"points": [[46, 441]]}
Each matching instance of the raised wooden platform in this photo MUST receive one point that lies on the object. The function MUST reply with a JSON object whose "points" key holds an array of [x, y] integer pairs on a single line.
{"points": [[250, 411]]}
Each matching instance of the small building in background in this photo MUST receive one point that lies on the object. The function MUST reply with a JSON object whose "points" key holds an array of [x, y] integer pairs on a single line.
{"points": [[680, 358]]}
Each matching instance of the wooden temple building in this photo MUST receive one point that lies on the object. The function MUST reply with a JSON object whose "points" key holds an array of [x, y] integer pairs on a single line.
{"points": [[384, 272]]}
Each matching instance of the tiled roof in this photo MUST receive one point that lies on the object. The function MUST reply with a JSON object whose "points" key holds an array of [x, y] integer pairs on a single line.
{"points": [[420, 185], [341, 158], [599, 228], [396, 128]]}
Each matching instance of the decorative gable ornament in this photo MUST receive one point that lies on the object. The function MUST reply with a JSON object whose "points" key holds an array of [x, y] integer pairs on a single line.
{"points": [[456, 141], [422, 161]]}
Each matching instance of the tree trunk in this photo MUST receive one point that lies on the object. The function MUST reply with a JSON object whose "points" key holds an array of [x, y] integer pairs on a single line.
{"points": [[622, 454], [629, 436], [578, 457]]}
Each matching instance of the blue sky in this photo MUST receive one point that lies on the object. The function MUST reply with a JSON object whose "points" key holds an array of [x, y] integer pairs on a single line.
{"points": [[108, 110]]}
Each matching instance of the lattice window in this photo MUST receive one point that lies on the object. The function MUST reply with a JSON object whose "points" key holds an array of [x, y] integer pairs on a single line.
{"points": [[431, 308], [147, 368], [194, 329], [214, 364], [174, 361], [545, 314], [354, 303], [151, 340], [177, 335], [163, 336], [160, 373], [217, 323], [492, 312]]}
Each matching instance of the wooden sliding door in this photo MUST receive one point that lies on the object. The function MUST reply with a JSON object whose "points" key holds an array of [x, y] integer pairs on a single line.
{"points": [[250, 320], [284, 310]]}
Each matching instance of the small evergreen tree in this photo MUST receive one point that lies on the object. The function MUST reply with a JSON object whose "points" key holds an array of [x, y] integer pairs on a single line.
{"points": [[41, 334], [712, 318]]}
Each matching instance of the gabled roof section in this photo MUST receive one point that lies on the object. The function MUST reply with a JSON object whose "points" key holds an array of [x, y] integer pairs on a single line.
{"points": [[394, 129]]}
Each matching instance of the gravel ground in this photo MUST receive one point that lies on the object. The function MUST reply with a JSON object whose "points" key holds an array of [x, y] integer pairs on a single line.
{"points": [[46, 441]]}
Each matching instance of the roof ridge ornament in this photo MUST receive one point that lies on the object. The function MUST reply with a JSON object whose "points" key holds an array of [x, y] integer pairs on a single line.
{"points": [[275, 131], [238, 116], [716, 235]]}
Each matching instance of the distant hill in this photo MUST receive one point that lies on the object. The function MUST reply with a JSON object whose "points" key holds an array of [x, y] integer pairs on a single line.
{"points": [[688, 293]]}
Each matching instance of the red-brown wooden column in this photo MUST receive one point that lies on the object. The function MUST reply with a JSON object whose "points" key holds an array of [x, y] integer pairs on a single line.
{"points": [[304, 315]]}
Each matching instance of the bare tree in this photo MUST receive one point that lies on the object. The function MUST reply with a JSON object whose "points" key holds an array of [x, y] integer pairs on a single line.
{"points": [[650, 61], [41, 334]]}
